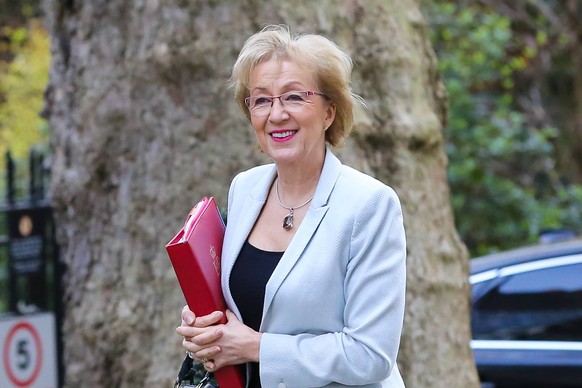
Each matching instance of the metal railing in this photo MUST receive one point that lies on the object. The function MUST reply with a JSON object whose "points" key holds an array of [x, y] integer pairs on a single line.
{"points": [[30, 269]]}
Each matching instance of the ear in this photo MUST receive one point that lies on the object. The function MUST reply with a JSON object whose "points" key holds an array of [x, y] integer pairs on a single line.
{"points": [[329, 115]]}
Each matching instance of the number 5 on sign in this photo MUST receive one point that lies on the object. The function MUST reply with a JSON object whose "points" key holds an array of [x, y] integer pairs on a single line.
{"points": [[23, 352], [28, 351]]}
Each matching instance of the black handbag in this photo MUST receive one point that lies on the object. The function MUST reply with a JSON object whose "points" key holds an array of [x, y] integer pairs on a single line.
{"points": [[193, 375]]}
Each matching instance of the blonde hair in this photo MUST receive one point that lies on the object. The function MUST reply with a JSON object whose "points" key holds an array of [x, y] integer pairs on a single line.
{"points": [[331, 67]]}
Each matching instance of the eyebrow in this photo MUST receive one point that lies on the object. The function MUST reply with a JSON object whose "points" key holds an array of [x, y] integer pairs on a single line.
{"points": [[285, 86]]}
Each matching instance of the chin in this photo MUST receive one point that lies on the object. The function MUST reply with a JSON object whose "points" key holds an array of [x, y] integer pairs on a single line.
{"points": [[284, 156]]}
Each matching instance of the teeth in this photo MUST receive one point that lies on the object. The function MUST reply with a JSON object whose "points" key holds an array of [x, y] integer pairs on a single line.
{"points": [[281, 135]]}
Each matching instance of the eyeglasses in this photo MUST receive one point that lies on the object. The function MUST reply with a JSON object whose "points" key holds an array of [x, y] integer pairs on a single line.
{"points": [[291, 101]]}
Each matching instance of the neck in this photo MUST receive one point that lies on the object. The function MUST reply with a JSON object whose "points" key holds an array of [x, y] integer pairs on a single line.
{"points": [[291, 208], [298, 182], [298, 188]]}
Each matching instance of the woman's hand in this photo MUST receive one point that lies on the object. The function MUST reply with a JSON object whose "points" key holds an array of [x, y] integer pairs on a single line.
{"points": [[219, 345], [199, 333], [238, 343]]}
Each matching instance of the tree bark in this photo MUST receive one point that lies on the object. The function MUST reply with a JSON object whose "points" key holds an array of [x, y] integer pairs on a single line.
{"points": [[143, 124]]}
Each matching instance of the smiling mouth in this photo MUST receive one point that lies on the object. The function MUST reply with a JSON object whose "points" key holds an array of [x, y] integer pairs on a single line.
{"points": [[283, 134]]}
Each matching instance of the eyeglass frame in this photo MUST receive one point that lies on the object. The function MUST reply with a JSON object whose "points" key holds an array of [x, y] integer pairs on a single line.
{"points": [[272, 98]]}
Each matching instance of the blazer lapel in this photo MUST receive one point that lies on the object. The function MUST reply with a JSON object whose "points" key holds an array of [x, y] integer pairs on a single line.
{"points": [[329, 175], [246, 219]]}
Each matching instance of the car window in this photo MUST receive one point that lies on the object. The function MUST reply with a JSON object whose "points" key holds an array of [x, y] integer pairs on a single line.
{"points": [[544, 304]]}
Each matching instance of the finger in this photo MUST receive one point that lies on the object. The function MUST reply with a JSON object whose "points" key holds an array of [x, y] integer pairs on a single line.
{"points": [[205, 334], [207, 337], [208, 353], [209, 366], [191, 347], [188, 331], [209, 319], [199, 352], [230, 316], [188, 316]]}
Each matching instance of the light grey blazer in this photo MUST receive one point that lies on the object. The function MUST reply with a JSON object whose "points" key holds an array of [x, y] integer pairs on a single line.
{"points": [[334, 306]]}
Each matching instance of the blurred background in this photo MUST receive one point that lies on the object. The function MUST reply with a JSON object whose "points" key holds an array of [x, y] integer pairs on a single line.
{"points": [[24, 73], [514, 134], [512, 71]]}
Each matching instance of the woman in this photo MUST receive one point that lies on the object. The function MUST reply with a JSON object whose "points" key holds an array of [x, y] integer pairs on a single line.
{"points": [[313, 261]]}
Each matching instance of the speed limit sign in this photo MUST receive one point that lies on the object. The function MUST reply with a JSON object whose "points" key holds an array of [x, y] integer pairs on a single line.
{"points": [[28, 351]]}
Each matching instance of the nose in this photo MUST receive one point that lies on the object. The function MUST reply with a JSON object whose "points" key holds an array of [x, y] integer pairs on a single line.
{"points": [[277, 112]]}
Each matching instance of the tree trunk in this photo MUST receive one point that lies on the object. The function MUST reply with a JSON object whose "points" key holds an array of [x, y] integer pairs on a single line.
{"points": [[143, 124]]}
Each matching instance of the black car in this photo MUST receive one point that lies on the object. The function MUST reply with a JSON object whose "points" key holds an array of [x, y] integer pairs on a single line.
{"points": [[527, 316]]}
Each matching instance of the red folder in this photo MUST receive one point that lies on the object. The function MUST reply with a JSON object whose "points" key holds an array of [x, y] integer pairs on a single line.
{"points": [[195, 254]]}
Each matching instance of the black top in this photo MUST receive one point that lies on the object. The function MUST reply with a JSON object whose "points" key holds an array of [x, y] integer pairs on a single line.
{"points": [[248, 279]]}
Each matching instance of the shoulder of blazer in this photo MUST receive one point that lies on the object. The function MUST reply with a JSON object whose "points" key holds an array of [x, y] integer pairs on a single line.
{"points": [[253, 177], [253, 174], [360, 184]]}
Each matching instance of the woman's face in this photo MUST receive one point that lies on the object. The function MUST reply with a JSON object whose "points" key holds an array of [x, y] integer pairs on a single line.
{"points": [[293, 135]]}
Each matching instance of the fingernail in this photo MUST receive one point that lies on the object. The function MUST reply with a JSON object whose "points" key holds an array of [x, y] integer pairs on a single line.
{"points": [[190, 320]]}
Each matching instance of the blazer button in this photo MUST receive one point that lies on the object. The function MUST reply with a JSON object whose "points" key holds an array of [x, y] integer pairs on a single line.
{"points": [[282, 385]]}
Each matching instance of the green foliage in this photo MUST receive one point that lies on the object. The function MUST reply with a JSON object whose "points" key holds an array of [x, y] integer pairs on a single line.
{"points": [[505, 189], [22, 85], [22, 82]]}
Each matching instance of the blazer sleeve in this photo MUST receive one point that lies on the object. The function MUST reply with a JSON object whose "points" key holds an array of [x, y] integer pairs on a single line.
{"points": [[364, 351]]}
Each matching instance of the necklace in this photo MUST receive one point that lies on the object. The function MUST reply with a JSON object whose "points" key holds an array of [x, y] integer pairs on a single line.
{"points": [[288, 220]]}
